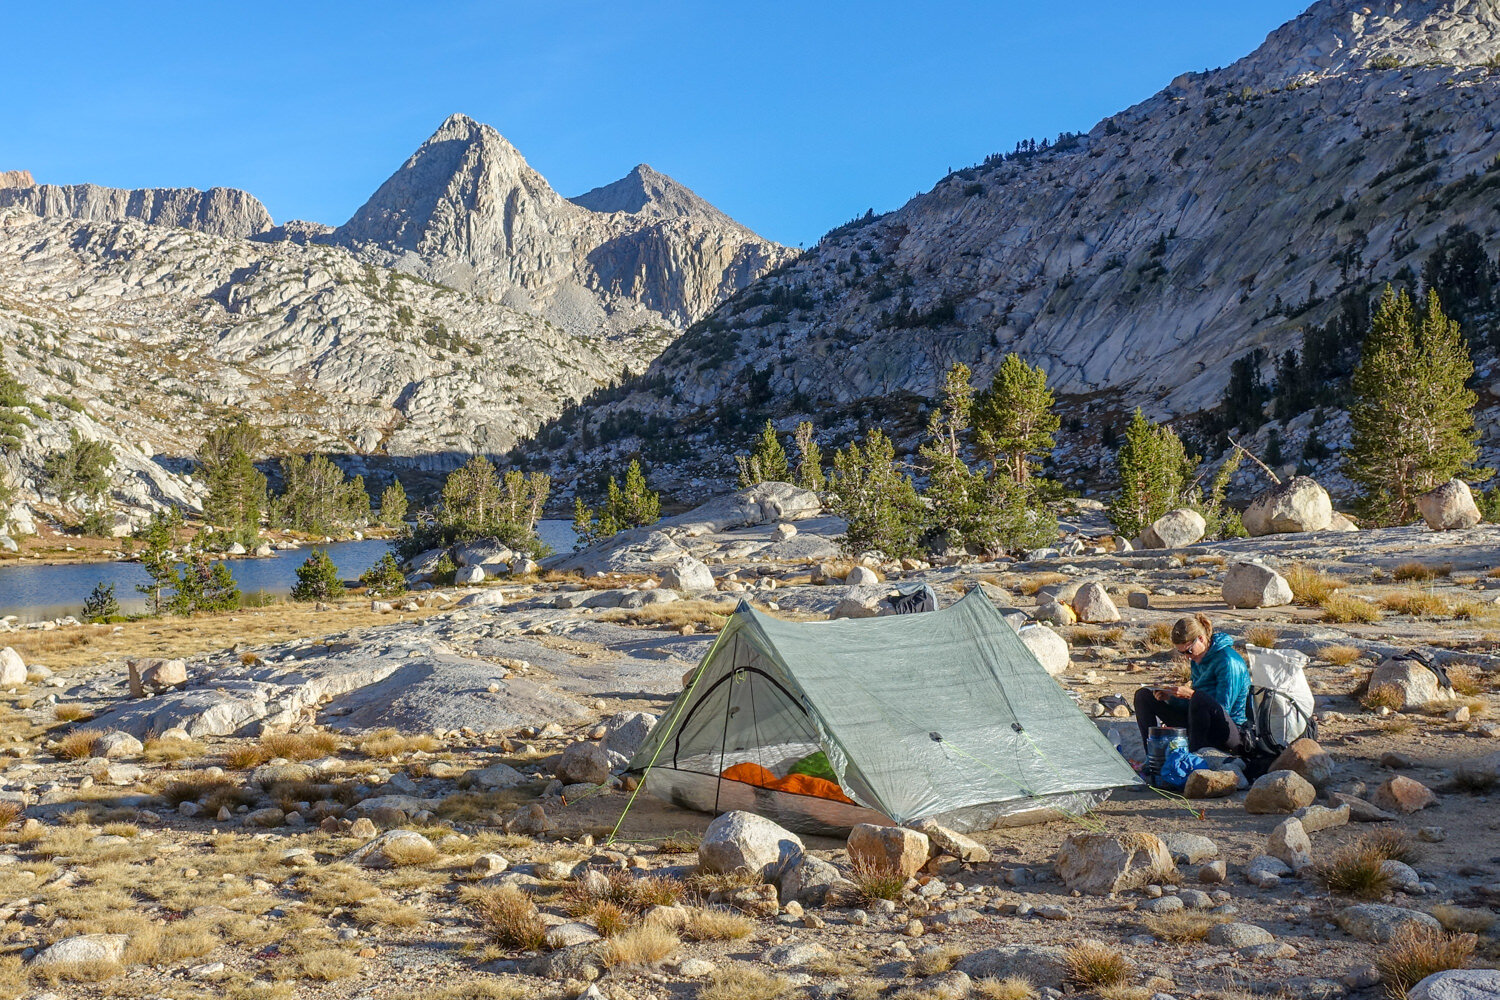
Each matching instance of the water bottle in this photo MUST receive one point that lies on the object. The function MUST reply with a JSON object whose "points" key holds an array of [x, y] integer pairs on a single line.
{"points": [[1116, 740]]}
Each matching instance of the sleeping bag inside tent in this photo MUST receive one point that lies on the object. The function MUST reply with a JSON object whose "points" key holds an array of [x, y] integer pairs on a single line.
{"points": [[822, 725]]}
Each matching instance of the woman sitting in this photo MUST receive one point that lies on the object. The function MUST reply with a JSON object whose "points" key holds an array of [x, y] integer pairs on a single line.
{"points": [[1212, 705]]}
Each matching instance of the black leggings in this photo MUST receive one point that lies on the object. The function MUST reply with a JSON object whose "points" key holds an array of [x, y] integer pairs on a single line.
{"points": [[1208, 725]]}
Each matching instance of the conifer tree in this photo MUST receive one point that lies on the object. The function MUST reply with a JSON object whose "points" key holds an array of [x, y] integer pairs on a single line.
{"points": [[809, 474], [236, 494], [156, 560], [585, 524], [393, 504], [955, 497], [384, 579], [1153, 466], [639, 506], [100, 605], [1412, 424], [471, 496], [877, 499], [766, 462], [80, 470], [318, 579], [1015, 419]]}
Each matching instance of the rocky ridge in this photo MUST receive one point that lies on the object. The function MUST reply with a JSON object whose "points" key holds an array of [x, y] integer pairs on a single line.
{"points": [[218, 211]]}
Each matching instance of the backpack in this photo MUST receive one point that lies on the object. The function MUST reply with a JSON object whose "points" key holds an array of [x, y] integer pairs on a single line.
{"points": [[1279, 708]]}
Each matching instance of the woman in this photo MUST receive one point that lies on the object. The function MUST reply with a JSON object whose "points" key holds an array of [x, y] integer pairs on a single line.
{"points": [[1212, 705]]}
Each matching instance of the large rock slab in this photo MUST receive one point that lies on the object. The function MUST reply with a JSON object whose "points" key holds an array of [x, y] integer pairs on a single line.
{"points": [[738, 840], [1249, 584], [1099, 863], [1299, 504], [1449, 507], [951, 842], [1378, 923], [1458, 984], [888, 848], [1174, 530]]}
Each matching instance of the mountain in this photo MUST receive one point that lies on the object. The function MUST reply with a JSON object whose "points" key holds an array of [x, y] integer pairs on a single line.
{"points": [[217, 211], [1231, 211], [467, 210]]}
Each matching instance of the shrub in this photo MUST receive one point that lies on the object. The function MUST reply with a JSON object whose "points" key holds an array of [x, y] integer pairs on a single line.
{"points": [[1184, 925], [1090, 966], [1414, 953], [1356, 869], [874, 881], [100, 606], [1342, 609], [384, 579], [509, 915], [318, 579], [745, 982]]}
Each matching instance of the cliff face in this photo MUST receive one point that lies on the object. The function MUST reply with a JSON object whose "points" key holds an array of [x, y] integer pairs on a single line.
{"points": [[1227, 212], [217, 211], [468, 210]]}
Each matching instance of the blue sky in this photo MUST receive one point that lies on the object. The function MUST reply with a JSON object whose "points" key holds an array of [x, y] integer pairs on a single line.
{"points": [[792, 117]]}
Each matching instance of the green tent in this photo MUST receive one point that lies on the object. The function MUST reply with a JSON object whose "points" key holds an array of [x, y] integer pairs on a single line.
{"points": [[945, 715]]}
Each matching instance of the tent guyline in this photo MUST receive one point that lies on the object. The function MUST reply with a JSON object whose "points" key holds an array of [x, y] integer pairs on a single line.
{"points": [[822, 725]]}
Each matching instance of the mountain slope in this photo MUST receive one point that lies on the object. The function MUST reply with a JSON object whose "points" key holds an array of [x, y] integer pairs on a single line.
{"points": [[1225, 213], [217, 211], [467, 210]]}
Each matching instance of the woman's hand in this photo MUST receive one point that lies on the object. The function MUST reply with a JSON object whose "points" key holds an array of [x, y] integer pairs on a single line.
{"points": [[1174, 691]]}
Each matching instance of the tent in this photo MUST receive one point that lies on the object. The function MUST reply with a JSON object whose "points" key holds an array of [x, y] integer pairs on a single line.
{"points": [[944, 715]]}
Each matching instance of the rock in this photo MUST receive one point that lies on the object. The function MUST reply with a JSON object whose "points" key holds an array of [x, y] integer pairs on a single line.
{"points": [[1410, 683], [1458, 984], [947, 841], [1449, 507], [950, 985], [795, 955], [583, 762], [1378, 923], [12, 668], [888, 848], [1204, 784], [150, 675], [738, 840], [1236, 935], [489, 864], [861, 576], [1138, 599], [84, 949], [624, 732], [524, 567], [1189, 848], [1403, 876], [497, 776], [1213, 873], [117, 744], [1055, 613], [1050, 649], [1174, 530], [1478, 772], [1298, 504], [784, 531], [1266, 872], [297, 857], [1289, 843], [688, 575], [569, 934], [1360, 811], [363, 829], [1162, 905], [393, 849], [1045, 966], [1279, 792], [1249, 584], [268, 817], [1403, 795], [468, 575], [756, 900], [810, 881], [857, 604], [696, 968], [1317, 818], [1099, 864], [1308, 759], [528, 821], [1092, 604]]}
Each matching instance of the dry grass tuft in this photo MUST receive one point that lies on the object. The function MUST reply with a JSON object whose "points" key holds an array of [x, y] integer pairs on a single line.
{"points": [[745, 982], [508, 914], [1184, 925], [1471, 610], [78, 745], [1009, 988], [1309, 585], [1393, 844], [1091, 966], [1263, 636], [705, 884], [1418, 604], [1356, 869], [321, 965], [57, 973], [937, 961], [1343, 609], [1419, 572], [245, 756], [1036, 581], [1384, 696], [301, 746], [71, 713], [10, 811], [160, 751], [408, 851], [1339, 656], [1414, 953], [1465, 679], [681, 842], [705, 613], [1158, 636], [874, 881], [715, 924], [389, 743], [642, 946], [1463, 919]]}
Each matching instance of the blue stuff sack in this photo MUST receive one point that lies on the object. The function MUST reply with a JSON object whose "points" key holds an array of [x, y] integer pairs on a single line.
{"points": [[1180, 764]]}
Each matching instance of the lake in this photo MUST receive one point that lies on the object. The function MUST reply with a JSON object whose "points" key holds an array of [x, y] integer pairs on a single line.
{"points": [[39, 593]]}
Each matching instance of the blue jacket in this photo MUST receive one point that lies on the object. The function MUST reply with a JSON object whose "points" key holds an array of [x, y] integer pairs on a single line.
{"points": [[1223, 675]]}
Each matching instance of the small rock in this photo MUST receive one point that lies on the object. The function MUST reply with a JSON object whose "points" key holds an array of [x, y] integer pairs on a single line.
{"points": [[1235, 935], [1189, 848], [1098, 864], [1403, 795], [1289, 843], [1213, 873], [1204, 784], [1279, 792]]}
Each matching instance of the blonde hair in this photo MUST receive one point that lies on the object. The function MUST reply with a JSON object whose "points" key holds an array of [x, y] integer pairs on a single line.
{"points": [[1191, 629]]}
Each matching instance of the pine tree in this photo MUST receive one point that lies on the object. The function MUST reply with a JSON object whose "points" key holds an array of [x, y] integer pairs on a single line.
{"points": [[384, 579], [1153, 466], [220, 444], [809, 473], [955, 497], [471, 497], [766, 462], [393, 504], [316, 498], [1412, 424], [100, 605], [156, 560], [236, 494], [318, 579], [585, 524], [642, 505], [1015, 419], [876, 499], [81, 469], [206, 585]]}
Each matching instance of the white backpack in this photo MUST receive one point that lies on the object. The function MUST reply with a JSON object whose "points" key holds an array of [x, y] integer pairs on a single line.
{"points": [[1280, 706]]}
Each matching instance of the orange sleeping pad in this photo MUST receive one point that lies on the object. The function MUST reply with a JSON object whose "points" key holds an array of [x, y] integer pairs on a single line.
{"points": [[797, 784]]}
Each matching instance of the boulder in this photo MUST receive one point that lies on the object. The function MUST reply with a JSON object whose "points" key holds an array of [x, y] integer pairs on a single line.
{"points": [[688, 575], [12, 668], [1308, 759], [1299, 504], [1044, 966], [861, 576], [1174, 530], [1402, 795], [736, 840], [888, 848], [862, 603], [152, 674], [393, 849], [1341, 522], [810, 881], [1238, 935], [784, 531], [1249, 584], [1449, 507], [1289, 844], [583, 762], [1479, 772], [1205, 784], [84, 949], [1458, 984], [1378, 923], [481, 551], [524, 566], [117, 744], [1100, 863], [1189, 848], [1055, 613], [469, 575], [1279, 792], [1092, 604], [946, 841], [497, 775], [1410, 683], [1318, 818], [1050, 649], [624, 732]]}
